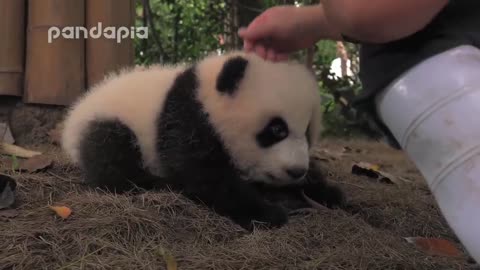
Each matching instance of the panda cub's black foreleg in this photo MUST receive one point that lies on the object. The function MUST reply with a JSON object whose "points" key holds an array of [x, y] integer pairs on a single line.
{"points": [[319, 190], [111, 159], [229, 196]]}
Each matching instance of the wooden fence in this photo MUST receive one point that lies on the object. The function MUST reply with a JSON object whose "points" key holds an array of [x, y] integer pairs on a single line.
{"points": [[57, 71]]}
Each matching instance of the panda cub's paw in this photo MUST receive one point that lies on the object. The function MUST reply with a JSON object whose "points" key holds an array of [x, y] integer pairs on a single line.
{"points": [[266, 216], [329, 195], [273, 216], [319, 190]]}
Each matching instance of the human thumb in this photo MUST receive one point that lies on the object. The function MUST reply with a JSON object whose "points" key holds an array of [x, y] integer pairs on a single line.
{"points": [[258, 29], [242, 31]]}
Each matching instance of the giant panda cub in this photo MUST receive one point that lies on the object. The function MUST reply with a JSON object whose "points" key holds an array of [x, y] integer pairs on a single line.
{"points": [[214, 130]]}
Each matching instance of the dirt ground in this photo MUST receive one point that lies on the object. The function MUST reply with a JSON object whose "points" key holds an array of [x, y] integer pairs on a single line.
{"points": [[130, 231]]}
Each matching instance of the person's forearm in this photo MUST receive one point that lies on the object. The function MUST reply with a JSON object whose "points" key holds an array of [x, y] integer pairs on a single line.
{"points": [[374, 21]]}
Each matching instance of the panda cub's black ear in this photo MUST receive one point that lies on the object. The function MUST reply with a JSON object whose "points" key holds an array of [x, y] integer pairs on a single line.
{"points": [[231, 75]]}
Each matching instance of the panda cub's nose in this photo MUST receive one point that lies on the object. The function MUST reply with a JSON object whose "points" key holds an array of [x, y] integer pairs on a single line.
{"points": [[296, 173]]}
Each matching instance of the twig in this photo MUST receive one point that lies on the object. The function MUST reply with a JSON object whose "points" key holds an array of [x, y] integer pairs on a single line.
{"points": [[81, 259], [250, 8], [65, 179], [302, 211]]}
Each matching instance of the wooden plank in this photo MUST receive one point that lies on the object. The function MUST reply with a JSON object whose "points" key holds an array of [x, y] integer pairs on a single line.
{"points": [[104, 55], [55, 72], [12, 46]]}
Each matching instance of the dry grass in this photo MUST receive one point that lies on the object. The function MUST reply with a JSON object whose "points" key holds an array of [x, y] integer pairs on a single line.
{"points": [[129, 231]]}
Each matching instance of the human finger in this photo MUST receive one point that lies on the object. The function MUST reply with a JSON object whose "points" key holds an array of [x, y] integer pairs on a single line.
{"points": [[247, 45], [260, 28], [281, 57], [260, 51], [271, 55]]}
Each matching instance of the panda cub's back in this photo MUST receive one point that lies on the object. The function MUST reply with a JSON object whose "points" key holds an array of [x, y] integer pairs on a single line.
{"points": [[133, 97]]}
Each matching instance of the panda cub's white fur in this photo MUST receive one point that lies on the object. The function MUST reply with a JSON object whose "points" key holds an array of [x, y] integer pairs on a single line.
{"points": [[209, 129], [135, 97]]}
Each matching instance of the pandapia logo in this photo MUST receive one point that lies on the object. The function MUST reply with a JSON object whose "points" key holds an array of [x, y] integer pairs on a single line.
{"points": [[110, 32]]}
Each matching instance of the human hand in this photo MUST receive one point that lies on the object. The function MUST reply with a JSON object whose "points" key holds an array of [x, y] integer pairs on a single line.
{"points": [[281, 30]]}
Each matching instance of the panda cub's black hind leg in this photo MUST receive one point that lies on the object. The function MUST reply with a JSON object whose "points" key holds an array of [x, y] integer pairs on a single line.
{"points": [[111, 159], [319, 190]]}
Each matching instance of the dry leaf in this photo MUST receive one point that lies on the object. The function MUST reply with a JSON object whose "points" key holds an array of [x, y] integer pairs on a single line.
{"points": [[7, 191], [373, 171], [435, 246], [15, 150], [364, 168], [63, 211], [169, 259], [369, 166], [316, 157], [6, 133], [36, 163], [350, 150]]}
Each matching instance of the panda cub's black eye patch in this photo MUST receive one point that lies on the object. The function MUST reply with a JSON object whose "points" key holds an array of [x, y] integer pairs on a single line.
{"points": [[275, 131]]}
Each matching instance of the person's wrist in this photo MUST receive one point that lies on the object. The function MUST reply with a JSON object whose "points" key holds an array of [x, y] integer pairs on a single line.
{"points": [[317, 25]]}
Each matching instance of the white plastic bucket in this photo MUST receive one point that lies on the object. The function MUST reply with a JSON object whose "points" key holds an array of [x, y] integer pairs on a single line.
{"points": [[433, 110]]}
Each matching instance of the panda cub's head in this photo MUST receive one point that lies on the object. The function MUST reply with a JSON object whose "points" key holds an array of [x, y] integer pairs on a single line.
{"points": [[267, 114]]}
